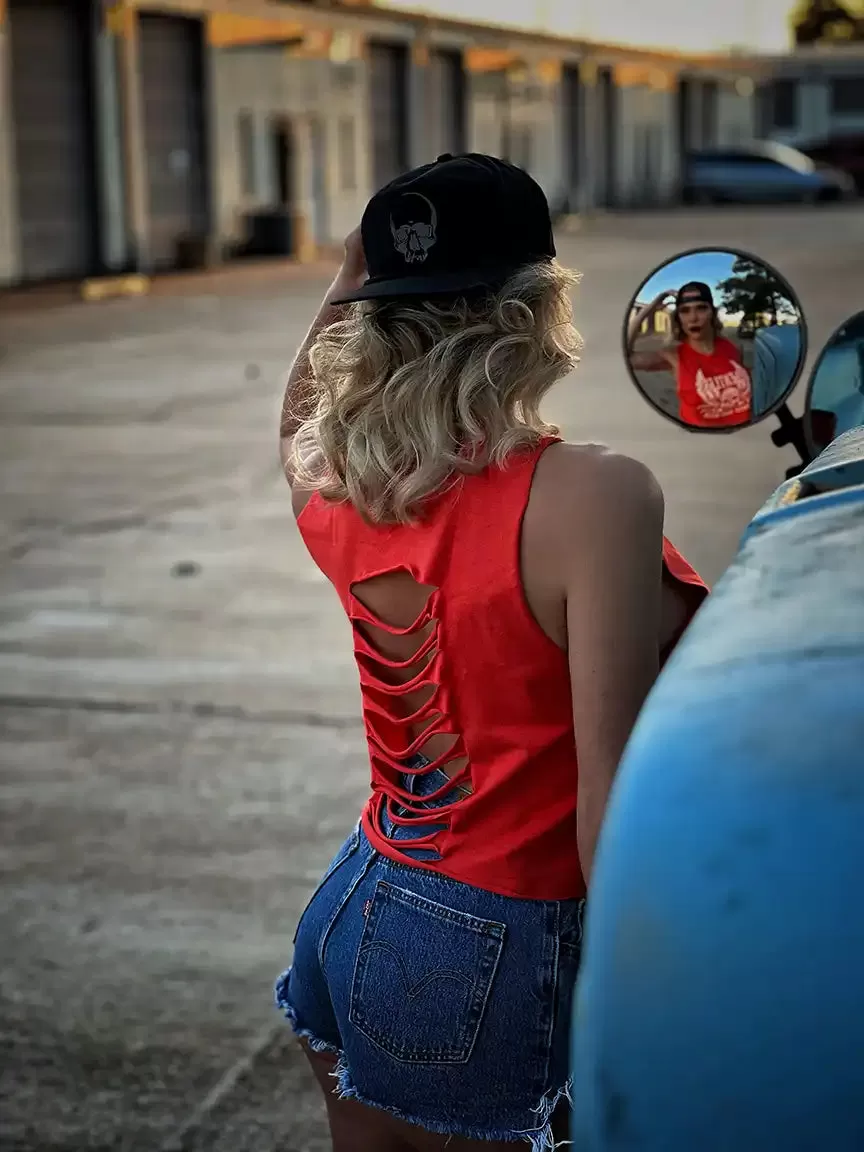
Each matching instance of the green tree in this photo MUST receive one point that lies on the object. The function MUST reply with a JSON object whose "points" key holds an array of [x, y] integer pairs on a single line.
{"points": [[754, 291], [823, 21]]}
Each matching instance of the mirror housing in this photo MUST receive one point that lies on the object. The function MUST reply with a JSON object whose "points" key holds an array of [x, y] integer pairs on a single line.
{"points": [[834, 404]]}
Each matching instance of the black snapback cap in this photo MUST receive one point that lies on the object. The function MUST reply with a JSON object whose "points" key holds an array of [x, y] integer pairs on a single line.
{"points": [[460, 224], [696, 290]]}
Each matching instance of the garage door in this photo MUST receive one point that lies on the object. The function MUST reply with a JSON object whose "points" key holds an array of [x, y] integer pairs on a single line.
{"points": [[573, 118], [446, 93], [53, 142], [172, 89], [710, 114], [607, 94], [388, 98]]}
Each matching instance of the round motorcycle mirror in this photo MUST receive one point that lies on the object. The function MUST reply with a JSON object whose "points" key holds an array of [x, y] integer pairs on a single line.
{"points": [[715, 339], [835, 391]]}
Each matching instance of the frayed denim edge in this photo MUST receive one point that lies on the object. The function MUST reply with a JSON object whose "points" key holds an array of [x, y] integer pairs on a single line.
{"points": [[280, 994], [540, 1138]]}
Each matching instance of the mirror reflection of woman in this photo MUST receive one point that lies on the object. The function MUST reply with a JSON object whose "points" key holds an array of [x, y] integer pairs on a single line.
{"points": [[712, 385]]}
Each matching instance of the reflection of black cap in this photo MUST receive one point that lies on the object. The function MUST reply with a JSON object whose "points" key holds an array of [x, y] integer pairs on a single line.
{"points": [[694, 292], [463, 223]]}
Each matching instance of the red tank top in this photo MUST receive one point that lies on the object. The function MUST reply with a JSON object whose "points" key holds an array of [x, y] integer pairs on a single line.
{"points": [[713, 391], [497, 681]]}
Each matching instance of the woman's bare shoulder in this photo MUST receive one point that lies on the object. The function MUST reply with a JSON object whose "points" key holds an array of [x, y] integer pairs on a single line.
{"points": [[587, 492], [568, 474]]}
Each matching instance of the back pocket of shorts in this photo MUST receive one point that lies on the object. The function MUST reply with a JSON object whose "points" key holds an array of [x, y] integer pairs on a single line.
{"points": [[423, 976]]}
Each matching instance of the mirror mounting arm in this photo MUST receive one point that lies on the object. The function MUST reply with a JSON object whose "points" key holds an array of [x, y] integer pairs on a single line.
{"points": [[791, 431]]}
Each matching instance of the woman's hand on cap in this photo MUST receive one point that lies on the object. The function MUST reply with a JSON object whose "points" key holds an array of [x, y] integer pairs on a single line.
{"points": [[353, 271]]}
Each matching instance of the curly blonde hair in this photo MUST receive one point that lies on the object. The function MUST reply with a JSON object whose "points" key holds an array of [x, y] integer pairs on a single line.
{"points": [[409, 394]]}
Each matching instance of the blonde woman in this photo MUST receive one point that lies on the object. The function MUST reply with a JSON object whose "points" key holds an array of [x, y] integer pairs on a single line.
{"points": [[511, 598]]}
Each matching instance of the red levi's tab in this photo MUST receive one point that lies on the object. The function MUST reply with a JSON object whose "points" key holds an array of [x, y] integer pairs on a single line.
{"points": [[480, 680]]}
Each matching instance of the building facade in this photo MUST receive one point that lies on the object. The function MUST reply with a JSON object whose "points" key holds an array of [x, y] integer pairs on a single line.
{"points": [[814, 94], [133, 139]]}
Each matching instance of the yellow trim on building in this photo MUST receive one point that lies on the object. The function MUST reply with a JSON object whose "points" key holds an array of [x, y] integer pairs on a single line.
{"points": [[588, 70], [227, 30], [119, 18], [490, 59], [641, 75], [315, 44], [549, 71]]}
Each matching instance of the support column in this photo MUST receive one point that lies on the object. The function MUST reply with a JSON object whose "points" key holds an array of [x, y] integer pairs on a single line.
{"points": [[122, 22], [212, 143], [9, 254], [109, 151], [813, 109], [303, 206], [587, 192], [419, 111], [696, 118]]}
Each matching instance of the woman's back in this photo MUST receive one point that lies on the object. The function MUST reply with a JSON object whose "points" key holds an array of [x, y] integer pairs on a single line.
{"points": [[454, 668]]}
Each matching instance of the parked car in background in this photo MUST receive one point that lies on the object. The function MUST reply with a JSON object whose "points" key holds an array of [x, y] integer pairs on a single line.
{"points": [[763, 172], [842, 151]]}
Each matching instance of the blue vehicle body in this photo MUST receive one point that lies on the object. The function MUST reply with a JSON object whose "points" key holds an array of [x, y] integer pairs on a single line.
{"points": [[776, 351], [721, 1002], [839, 383], [761, 173]]}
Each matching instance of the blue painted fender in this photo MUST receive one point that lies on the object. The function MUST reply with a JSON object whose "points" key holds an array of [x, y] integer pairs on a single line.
{"points": [[720, 1007]]}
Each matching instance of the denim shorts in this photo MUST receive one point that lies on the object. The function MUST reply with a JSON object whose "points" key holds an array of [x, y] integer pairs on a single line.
{"points": [[445, 1005]]}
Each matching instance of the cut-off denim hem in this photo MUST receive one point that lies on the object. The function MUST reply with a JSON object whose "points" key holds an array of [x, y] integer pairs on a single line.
{"points": [[540, 1139], [416, 984], [280, 994]]}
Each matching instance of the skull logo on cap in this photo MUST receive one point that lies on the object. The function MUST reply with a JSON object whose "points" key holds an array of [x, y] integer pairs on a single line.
{"points": [[414, 237]]}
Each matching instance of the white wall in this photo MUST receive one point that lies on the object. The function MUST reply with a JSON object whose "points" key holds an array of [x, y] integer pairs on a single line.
{"points": [[647, 156], [267, 82], [814, 118], [485, 112], [736, 115], [537, 111], [9, 257], [534, 112]]}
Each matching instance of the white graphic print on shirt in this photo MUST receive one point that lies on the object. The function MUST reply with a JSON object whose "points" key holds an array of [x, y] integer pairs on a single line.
{"points": [[723, 395]]}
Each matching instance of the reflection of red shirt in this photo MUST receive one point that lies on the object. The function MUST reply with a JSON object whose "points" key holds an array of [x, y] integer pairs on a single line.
{"points": [[713, 391]]}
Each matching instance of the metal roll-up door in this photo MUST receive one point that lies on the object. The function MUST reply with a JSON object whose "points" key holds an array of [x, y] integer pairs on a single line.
{"points": [[710, 114], [446, 93], [573, 120], [607, 92], [52, 127], [684, 117], [172, 89], [388, 98]]}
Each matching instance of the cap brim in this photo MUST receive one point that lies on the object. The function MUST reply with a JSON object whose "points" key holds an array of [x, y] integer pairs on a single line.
{"points": [[435, 284]]}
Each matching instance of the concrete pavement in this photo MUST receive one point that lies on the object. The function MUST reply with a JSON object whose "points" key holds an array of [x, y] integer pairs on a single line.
{"points": [[178, 714]]}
